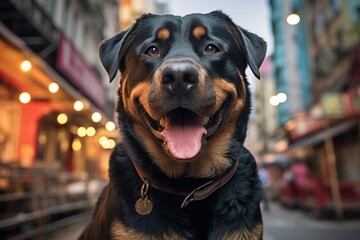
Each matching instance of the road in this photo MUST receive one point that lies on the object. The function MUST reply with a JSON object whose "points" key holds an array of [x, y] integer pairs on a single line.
{"points": [[279, 224]]}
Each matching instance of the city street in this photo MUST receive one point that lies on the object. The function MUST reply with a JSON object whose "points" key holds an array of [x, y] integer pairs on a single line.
{"points": [[279, 223], [282, 224], [69, 233], [173, 88]]}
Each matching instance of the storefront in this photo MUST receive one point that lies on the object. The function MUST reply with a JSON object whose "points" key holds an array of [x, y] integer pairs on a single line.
{"points": [[40, 126], [331, 133]]}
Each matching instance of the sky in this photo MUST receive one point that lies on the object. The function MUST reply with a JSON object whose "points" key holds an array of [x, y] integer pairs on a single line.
{"points": [[253, 15]]}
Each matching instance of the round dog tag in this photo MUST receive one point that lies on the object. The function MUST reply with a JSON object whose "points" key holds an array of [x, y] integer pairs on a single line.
{"points": [[143, 206]]}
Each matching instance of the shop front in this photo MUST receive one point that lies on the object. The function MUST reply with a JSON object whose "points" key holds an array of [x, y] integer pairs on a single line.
{"points": [[330, 133], [33, 132]]}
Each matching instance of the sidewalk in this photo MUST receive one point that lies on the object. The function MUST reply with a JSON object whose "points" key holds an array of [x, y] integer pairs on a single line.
{"points": [[68, 233], [279, 224], [283, 224]]}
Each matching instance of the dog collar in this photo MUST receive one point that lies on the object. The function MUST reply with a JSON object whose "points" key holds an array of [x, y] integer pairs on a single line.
{"points": [[199, 193]]}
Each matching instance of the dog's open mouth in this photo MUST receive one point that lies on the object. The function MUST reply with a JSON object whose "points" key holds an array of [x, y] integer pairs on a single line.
{"points": [[184, 132]]}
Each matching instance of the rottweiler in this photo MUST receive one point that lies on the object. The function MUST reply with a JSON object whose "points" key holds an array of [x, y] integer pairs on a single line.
{"points": [[180, 170]]}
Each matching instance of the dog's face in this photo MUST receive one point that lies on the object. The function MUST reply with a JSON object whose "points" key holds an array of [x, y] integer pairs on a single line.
{"points": [[183, 86]]}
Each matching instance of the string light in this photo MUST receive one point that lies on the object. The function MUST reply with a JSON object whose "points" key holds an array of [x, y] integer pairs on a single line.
{"points": [[53, 87], [281, 97], [293, 19], [90, 131], [62, 118], [78, 105], [24, 97], [81, 132], [25, 65], [76, 144], [107, 143], [110, 126], [96, 117]]}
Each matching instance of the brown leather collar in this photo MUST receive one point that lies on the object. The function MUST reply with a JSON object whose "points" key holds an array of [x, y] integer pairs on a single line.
{"points": [[198, 193]]}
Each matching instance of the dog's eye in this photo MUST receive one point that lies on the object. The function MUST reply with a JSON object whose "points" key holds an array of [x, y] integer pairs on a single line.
{"points": [[211, 49], [152, 51]]}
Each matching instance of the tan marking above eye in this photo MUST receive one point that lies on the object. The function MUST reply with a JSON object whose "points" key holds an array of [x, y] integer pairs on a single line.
{"points": [[163, 34], [198, 32]]}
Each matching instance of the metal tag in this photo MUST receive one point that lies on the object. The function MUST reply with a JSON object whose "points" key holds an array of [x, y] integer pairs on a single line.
{"points": [[143, 206]]}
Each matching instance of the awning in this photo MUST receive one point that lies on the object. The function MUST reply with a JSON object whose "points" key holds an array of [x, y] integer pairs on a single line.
{"points": [[41, 75], [321, 136]]}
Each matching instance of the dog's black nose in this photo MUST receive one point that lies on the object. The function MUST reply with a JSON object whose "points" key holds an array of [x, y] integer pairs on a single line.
{"points": [[179, 78]]}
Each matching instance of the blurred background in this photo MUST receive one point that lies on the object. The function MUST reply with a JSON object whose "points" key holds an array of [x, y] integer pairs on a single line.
{"points": [[57, 125]]}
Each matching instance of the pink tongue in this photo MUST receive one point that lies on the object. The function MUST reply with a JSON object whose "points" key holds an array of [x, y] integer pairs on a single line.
{"points": [[183, 134]]}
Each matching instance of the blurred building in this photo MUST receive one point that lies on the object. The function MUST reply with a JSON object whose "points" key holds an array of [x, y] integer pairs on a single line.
{"points": [[130, 10], [285, 68], [48, 61], [266, 116], [319, 57]]}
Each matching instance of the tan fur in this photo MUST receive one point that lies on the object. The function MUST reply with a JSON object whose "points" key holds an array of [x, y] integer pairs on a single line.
{"points": [[163, 34], [138, 93], [121, 232], [198, 32], [253, 234], [212, 160]]}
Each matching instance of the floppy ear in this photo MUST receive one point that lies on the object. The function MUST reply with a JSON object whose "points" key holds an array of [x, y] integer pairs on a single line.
{"points": [[109, 52], [255, 50]]}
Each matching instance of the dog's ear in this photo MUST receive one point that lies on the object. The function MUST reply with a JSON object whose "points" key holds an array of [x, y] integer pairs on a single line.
{"points": [[109, 52], [255, 50]]}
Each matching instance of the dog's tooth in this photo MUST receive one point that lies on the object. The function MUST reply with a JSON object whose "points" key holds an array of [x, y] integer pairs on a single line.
{"points": [[205, 120], [162, 122]]}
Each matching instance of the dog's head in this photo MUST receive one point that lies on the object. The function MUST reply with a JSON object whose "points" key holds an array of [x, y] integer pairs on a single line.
{"points": [[183, 87]]}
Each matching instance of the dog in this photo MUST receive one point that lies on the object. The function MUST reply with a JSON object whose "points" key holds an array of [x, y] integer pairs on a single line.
{"points": [[180, 170]]}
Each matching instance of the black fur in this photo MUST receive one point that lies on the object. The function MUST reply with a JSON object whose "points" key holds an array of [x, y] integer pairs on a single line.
{"points": [[233, 207]]}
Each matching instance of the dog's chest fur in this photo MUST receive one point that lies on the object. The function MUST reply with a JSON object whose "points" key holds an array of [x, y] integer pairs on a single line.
{"points": [[226, 214]]}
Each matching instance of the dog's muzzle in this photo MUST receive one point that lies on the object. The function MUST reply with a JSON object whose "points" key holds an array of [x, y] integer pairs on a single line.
{"points": [[185, 116], [179, 77]]}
